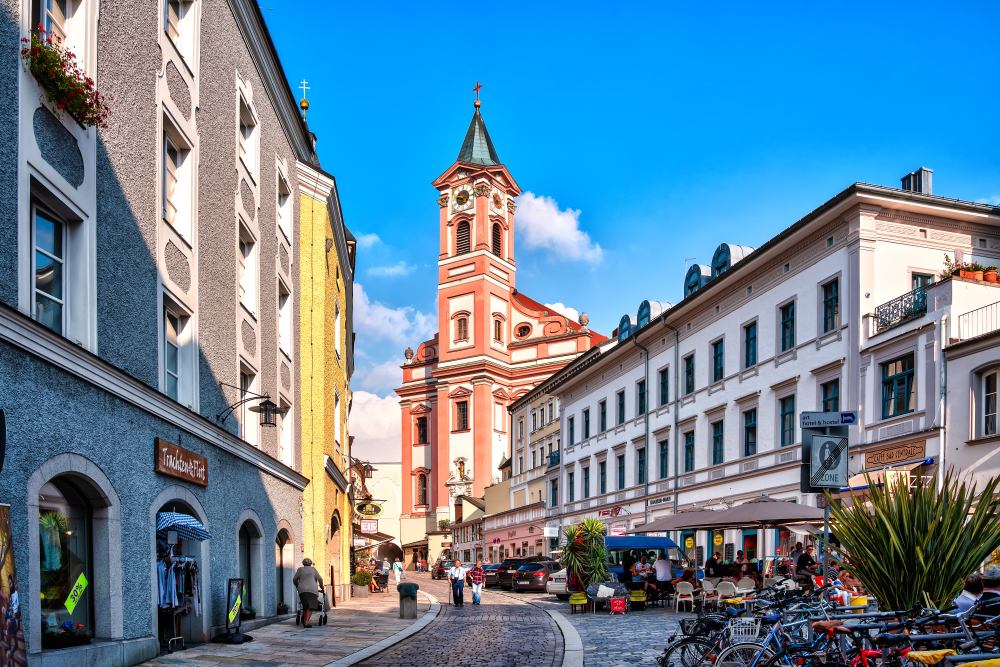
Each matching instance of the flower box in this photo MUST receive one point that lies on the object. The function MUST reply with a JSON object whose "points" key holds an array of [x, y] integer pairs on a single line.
{"points": [[66, 85], [56, 640]]}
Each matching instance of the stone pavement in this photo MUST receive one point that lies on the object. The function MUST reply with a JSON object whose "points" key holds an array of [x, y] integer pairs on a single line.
{"points": [[504, 631], [350, 627], [636, 638]]}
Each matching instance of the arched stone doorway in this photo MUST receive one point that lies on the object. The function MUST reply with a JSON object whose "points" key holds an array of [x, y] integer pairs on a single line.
{"points": [[390, 551], [284, 569], [336, 555], [250, 566]]}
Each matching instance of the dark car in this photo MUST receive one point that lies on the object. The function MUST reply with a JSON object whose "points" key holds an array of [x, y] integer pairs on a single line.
{"points": [[491, 574], [440, 569], [505, 573], [533, 576]]}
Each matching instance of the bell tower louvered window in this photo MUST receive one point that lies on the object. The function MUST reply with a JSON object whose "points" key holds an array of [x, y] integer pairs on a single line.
{"points": [[463, 329], [497, 241], [462, 238]]}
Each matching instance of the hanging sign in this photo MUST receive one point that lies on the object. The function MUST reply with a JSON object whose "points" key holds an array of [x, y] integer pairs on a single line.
{"points": [[179, 462], [369, 525], [74, 595], [368, 508], [11, 625], [550, 531], [827, 419], [717, 540], [688, 543]]}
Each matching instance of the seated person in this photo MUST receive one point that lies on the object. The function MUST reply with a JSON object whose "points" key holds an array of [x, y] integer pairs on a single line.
{"points": [[643, 567], [660, 581], [805, 568], [688, 577]]}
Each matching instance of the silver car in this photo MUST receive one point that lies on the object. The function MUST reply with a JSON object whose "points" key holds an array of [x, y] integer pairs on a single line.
{"points": [[556, 584]]}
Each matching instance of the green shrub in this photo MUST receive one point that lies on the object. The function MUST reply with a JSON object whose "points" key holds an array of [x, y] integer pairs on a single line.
{"points": [[361, 579]]}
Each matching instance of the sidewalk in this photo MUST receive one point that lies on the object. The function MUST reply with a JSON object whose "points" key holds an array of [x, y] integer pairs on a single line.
{"points": [[352, 626]]}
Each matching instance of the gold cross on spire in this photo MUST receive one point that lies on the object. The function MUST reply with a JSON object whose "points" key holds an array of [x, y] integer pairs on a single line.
{"points": [[476, 91]]}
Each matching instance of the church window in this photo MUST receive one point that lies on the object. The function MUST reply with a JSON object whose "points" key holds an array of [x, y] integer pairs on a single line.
{"points": [[497, 331], [462, 238], [523, 331], [421, 430], [462, 329], [462, 416], [421, 489], [497, 240]]}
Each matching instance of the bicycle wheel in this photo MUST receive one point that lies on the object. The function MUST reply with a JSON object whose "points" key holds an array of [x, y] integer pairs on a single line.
{"points": [[689, 652], [744, 655]]}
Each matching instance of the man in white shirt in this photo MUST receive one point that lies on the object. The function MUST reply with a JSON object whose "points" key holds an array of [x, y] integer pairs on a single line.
{"points": [[663, 575], [456, 576]]}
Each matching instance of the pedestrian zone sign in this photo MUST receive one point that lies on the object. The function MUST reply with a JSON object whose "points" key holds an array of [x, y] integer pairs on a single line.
{"points": [[828, 465]]}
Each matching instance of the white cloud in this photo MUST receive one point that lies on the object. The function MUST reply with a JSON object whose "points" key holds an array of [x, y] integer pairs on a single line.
{"points": [[993, 201], [401, 325], [377, 427], [398, 269], [543, 225], [571, 313], [383, 377], [367, 240]]}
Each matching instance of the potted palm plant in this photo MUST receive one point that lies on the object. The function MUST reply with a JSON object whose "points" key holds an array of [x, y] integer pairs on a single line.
{"points": [[585, 556], [917, 542]]}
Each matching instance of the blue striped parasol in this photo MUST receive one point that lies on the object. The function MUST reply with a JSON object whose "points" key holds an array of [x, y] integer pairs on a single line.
{"points": [[187, 527]]}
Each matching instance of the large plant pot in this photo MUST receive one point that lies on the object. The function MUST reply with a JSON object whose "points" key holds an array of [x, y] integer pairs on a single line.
{"points": [[990, 276], [359, 591], [978, 275], [964, 274]]}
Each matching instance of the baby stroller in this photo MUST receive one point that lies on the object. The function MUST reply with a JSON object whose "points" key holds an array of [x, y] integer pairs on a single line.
{"points": [[320, 615]]}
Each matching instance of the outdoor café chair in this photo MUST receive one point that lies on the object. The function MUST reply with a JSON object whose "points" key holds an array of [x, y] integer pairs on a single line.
{"points": [[726, 589], [709, 591], [746, 585], [685, 592]]}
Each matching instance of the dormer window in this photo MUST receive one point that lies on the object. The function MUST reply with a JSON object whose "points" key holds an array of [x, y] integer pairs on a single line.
{"points": [[721, 263], [643, 318], [624, 328], [692, 283]]}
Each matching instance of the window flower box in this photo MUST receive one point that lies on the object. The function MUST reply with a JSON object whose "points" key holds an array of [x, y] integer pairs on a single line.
{"points": [[66, 85]]}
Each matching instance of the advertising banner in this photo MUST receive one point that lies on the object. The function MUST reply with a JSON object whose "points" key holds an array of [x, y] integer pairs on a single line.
{"points": [[11, 629], [235, 604]]}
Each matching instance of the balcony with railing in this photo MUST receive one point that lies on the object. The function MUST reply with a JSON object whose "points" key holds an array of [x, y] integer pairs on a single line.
{"points": [[902, 309], [979, 322], [553, 459]]}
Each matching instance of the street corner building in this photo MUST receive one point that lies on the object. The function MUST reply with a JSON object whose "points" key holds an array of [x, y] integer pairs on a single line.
{"points": [[151, 349], [326, 255], [493, 345]]}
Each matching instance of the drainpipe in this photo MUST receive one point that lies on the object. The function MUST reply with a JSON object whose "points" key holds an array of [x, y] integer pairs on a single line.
{"points": [[677, 436], [942, 400], [645, 419]]}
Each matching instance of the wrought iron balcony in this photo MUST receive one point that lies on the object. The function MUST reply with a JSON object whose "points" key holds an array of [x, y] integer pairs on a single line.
{"points": [[901, 309], [554, 459]]}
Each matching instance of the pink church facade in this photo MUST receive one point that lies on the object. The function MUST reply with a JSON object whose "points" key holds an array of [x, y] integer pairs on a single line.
{"points": [[493, 345]]}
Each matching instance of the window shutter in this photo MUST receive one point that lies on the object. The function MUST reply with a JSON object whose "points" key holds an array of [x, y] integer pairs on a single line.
{"points": [[497, 241], [462, 238]]}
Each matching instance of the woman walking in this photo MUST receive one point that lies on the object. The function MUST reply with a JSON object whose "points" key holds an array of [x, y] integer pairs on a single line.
{"points": [[397, 570], [308, 583]]}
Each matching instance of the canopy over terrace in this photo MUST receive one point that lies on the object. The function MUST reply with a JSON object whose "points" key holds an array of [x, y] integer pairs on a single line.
{"points": [[678, 521], [756, 513]]}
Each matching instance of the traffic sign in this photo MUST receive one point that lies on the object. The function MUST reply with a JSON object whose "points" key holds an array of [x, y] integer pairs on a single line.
{"points": [[825, 419], [828, 465]]}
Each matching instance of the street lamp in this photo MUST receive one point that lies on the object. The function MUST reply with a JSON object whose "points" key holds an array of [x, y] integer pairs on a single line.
{"points": [[267, 408]]}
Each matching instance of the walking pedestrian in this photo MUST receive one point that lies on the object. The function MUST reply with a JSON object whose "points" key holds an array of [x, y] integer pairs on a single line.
{"points": [[308, 582], [397, 570], [456, 576], [478, 575]]}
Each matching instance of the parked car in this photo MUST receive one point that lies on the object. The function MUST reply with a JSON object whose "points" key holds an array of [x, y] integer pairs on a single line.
{"points": [[534, 576], [556, 584], [505, 573], [440, 569], [491, 575]]}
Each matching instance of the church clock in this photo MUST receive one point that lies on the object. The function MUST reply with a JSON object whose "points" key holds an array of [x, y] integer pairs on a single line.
{"points": [[462, 199], [496, 202]]}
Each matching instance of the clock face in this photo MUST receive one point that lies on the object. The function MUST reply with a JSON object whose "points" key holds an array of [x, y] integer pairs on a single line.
{"points": [[497, 201], [462, 199]]}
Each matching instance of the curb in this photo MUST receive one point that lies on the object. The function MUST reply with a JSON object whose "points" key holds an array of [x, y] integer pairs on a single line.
{"points": [[392, 640], [572, 644]]}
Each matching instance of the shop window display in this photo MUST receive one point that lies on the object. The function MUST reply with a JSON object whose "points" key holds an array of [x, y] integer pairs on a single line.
{"points": [[66, 559]]}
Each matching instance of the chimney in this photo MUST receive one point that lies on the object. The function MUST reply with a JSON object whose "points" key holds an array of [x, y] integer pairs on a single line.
{"points": [[918, 181]]}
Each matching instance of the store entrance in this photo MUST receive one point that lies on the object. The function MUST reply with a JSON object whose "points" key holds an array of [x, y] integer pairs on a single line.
{"points": [[180, 597]]}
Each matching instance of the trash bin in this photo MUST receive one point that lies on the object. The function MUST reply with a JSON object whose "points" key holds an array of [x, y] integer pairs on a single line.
{"points": [[408, 600]]}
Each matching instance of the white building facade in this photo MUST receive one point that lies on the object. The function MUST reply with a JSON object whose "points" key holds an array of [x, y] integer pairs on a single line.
{"points": [[698, 404]]}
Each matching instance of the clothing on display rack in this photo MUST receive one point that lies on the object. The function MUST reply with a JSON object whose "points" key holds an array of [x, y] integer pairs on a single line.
{"points": [[178, 585]]}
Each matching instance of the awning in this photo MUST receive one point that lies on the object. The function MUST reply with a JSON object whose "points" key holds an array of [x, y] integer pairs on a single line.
{"points": [[372, 546], [806, 529], [677, 521], [187, 527], [415, 545], [859, 482]]}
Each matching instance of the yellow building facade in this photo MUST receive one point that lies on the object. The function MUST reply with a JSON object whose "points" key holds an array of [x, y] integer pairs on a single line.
{"points": [[325, 256]]}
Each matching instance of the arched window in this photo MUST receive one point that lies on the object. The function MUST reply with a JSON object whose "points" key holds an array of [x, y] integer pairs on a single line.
{"points": [[462, 238], [721, 262], [498, 331], [624, 328], [65, 531], [421, 489], [692, 283], [497, 240], [284, 564], [643, 318], [463, 329]]}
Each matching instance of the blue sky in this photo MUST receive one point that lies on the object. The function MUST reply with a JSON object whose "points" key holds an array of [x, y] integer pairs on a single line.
{"points": [[653, 132]]}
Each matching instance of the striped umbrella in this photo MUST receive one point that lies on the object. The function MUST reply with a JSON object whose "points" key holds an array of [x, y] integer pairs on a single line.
{"points": [[187, 527]]}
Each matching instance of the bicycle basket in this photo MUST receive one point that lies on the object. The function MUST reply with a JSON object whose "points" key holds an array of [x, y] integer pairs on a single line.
{"points": [[743, 630]]}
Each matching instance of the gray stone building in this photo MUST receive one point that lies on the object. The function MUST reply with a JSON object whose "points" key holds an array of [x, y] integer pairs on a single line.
{"points": [[147, 283]]}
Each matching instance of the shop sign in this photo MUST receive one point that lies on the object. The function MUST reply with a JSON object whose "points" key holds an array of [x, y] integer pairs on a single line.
{"points": [[369, 525], [614, 511], [445, 544], [892, 455], [179, 462], [12, 615], [717, 540], [688, 543], [358, 543], [235, 605], [368, 508], [661, 500], [74, 595], [617, 531], [550, 531]]}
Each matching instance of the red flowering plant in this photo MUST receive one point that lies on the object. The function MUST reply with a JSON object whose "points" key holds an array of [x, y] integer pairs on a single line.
{"points": [[65, 83]]}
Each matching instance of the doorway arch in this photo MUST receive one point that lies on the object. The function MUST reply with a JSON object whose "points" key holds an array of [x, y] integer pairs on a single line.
{"points": [[336, 555], [250, 562], [284, 565]]}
